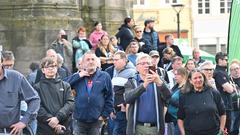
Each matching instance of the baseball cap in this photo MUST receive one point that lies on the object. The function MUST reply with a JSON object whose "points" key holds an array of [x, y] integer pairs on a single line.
{"points": [[154, 53], [148, 21]]}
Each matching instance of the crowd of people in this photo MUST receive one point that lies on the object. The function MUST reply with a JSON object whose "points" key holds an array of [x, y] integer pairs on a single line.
{"points": [[126, 84]]}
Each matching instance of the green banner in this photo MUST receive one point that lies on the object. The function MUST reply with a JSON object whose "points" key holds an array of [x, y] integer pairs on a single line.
{"points": [[234, 31]]}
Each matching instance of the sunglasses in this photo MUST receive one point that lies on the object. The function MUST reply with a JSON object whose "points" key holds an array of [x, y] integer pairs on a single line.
{"points": [[138, 31]]}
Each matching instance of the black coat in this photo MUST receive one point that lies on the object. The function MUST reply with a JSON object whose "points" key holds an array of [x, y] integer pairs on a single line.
{"points": [[56, 101], [126, 35]]}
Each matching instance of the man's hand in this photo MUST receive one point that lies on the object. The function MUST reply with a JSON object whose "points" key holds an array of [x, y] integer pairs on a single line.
{"points": [[123, 108], [16, 128], [112, 116], [83, 73], [59, 129], [100, 118], [148, 79], [65, 42], [156, 78], [53, 122]]}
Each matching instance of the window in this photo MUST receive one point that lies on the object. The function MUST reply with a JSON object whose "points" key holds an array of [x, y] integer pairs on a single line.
{"points": [[225, 6], [171, 1], [139, 2], [203, 6]]}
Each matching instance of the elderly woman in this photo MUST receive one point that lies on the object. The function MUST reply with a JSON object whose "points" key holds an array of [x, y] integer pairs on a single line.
{"points": [[201, 109], [207, 68]]}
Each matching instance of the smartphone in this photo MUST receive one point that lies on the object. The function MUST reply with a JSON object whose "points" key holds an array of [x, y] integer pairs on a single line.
{"points": [[64, 37], [153, 68]]}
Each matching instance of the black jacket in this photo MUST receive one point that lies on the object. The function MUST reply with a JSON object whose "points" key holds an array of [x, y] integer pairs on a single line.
{"points": [[126, 35], [56, 101], [174, 47]]}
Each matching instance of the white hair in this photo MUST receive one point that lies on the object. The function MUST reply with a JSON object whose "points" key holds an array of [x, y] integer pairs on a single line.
{"points": [[205, 63], [142, 55]]}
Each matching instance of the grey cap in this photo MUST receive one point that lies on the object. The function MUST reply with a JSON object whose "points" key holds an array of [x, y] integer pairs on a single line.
{"points": [[154, 53]]}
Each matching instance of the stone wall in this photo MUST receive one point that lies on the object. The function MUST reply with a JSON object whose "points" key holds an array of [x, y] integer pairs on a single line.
{"points": [[27, 27]]}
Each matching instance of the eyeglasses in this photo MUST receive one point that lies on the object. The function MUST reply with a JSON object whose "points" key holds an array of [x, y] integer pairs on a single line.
{"points": [[7, 66], [116, 59], [138, 31], [50, 66], [225, 59], [155, 56], [144, 63], [208, 69], [234, 69]]}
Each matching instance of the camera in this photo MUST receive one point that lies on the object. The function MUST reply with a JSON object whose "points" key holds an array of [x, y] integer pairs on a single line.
{"points": [[64, 37], [153, 68]]}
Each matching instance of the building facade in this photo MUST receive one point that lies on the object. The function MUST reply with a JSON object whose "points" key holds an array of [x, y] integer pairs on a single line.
{"points": [[210, 24], [165, 16]]}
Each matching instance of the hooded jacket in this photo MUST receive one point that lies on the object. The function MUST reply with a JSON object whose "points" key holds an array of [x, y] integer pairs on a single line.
{"points": [[56, 101], [127, 72]]}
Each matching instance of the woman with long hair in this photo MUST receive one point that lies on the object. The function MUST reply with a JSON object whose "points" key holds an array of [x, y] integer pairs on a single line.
{"points": [[190, 65], [105, 52], [201, 108]]}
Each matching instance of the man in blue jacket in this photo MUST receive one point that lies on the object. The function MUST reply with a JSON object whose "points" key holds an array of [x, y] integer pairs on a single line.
{"points": [[94, 97]]}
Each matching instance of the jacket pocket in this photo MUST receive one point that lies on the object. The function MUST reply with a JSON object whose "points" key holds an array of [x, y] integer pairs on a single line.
{"points": [[11, 99]]}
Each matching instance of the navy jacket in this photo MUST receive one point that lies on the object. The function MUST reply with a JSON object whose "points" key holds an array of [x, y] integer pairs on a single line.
{"points": [[99, 102], [126, 35]]}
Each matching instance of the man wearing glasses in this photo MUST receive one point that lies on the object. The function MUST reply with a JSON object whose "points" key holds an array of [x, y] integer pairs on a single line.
{"points": [[8, 59], [223, 85], [15, 88], [120, 72], [146, 95], [207, 68], [56, 101]]}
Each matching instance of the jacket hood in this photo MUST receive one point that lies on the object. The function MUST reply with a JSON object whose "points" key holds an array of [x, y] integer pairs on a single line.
{"points": [[57, 79], [124, 26], [129, 65]]}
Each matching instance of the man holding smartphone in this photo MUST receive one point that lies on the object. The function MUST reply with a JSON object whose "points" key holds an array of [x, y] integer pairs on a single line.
{"points": [[62, 46], [146, 95]]}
